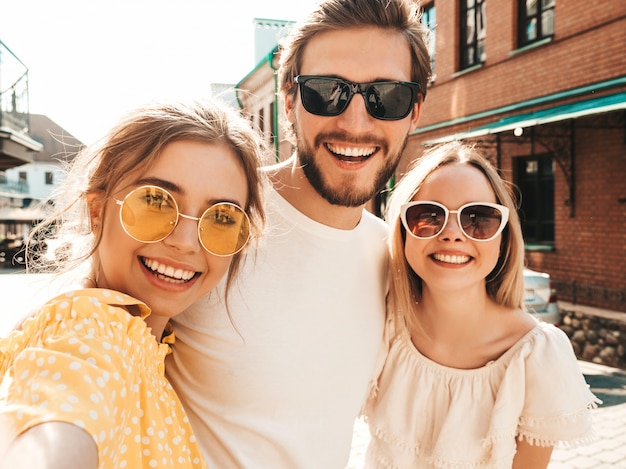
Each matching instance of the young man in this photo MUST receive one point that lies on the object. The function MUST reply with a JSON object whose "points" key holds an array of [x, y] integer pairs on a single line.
{"points": [[275, 376]]}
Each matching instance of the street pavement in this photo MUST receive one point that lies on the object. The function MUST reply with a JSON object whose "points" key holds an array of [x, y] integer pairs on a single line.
{"points": [[20, 293], [608, 450]]}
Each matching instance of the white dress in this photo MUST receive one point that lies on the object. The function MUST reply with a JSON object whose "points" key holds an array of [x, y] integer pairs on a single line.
{"points": [[425, 415]]}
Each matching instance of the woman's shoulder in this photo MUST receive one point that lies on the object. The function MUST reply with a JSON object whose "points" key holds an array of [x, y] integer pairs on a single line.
{"points": [[544, 365], [544, 340], [534, 344], [95, 296], [84, 312], [556, 398], [94, 319]]}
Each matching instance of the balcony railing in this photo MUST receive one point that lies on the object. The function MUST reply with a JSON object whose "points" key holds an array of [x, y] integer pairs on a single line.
{"points": [[14, 187], [592, 295], [14, 101]]}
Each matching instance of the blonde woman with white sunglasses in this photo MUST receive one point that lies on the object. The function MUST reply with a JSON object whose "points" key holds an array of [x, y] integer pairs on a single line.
{"points": [[470, 380]]}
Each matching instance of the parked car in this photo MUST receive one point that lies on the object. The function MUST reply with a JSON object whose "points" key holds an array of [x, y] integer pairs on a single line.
{"points": [[11, 253], [540, 296]]}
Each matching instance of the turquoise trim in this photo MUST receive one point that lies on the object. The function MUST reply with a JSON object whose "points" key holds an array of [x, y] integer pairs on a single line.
{"points": [[269, 60], [539, 247], [579, 107], [602, 104], [531, 102], [266, 59]]}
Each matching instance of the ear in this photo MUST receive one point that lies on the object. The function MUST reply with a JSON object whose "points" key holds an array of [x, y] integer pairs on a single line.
{"points": [[290, 96], [417, 110], [95, 207]]}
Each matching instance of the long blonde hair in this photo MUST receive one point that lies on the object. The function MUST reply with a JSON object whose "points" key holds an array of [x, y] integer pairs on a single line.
{"points": [[505, 283]]}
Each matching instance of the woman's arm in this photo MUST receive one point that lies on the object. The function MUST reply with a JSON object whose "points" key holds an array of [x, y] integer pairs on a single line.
{"points": [[52, 445], [531, 457]]}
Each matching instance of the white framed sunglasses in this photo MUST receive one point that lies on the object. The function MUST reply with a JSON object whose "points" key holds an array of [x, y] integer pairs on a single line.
{"points": [[149, 214], [479, 221]]}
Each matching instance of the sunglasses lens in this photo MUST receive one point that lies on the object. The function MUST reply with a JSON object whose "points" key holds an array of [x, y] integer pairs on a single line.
{"points": [[224, 229], [480, 221], [389, 101], [324, 96], [425, 220], [149, 214]]}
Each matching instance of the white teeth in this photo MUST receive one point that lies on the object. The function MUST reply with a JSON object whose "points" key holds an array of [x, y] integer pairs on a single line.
{"points": [[168, 271], [348, 151], [451, 259]]}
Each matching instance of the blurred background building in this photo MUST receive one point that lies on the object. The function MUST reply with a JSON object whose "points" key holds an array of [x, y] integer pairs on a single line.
{"points": [[33, 149]]}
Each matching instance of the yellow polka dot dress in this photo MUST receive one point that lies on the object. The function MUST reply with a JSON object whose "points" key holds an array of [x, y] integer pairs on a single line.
{"points": [[83, 359]]}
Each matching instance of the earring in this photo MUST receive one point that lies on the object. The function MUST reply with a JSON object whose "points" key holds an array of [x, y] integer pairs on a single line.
{"points": [[93, 283]]}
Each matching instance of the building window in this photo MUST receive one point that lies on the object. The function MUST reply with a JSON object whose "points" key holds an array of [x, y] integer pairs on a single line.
{"points": [[22, 176], [536, 20], [49, 178], [473, 33], [535, 179], [429, 20]]}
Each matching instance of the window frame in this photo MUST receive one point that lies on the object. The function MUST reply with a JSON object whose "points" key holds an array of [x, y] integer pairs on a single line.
{"points": [[544, 224], [545, 11], [475, 9], [429, 20]]}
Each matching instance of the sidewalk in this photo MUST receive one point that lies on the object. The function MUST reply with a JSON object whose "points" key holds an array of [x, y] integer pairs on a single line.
{"points": [[609, 420]]}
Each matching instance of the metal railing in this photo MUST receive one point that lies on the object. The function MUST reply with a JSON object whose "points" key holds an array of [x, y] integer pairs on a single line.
{"points": [[581, 293], [14, 187], [14, 100]]}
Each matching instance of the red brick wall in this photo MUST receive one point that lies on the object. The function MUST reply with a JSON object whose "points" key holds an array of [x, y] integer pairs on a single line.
{"points": [[588, 48], [590, 247]]}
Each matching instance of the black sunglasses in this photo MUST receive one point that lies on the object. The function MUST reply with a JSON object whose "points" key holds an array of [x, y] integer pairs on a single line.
{"points": [[384, 100]]}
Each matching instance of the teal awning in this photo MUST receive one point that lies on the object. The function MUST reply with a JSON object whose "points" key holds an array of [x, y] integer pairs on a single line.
{"points": [[609, 103]]}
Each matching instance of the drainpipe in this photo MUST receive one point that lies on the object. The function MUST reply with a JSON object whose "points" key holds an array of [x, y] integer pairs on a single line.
{"points": [[272, 56]]}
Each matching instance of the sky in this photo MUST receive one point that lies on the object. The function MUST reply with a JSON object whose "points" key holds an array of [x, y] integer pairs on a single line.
{"points": [[90, 61]]}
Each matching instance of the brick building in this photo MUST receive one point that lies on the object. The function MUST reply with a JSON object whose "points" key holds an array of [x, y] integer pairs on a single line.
{"points": [[540, 86]]}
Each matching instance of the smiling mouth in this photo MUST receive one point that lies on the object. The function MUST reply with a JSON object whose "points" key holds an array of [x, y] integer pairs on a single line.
{"points": [[451, 259], [168, 273], [351, 154]]}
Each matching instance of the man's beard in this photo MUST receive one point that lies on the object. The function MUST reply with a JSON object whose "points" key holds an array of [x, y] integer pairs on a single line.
{"points": [[347, 195]]}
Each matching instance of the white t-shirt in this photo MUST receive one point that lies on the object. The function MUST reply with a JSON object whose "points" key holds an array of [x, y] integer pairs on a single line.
{"points": [[279, 382]]}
